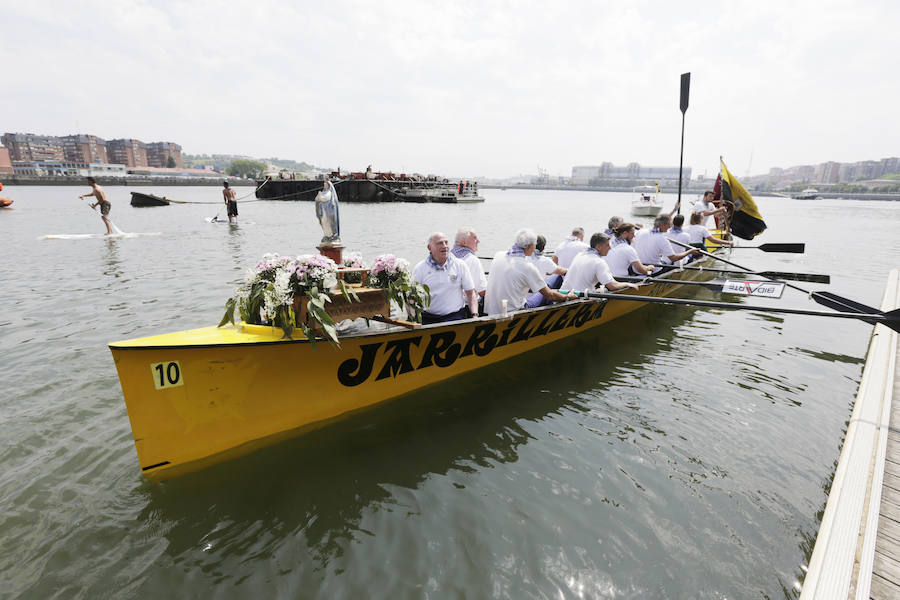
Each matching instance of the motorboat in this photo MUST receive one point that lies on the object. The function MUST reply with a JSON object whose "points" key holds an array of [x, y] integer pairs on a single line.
{"points": [[647, 203]]}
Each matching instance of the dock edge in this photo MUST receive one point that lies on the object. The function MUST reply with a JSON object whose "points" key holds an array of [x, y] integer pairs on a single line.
{"points": [[842, 561]]}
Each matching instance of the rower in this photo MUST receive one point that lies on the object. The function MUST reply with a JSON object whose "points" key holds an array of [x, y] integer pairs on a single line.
{"points": [[550, 270], [511, 277], [623, 259], [464, 248], [611, 226], [654, 247], [698, 234], [448, 280], [677, 233], [589, 269], [570, 247]]}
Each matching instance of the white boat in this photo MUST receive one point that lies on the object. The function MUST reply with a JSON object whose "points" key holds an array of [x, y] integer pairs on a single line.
{"points": [[807, 194], [647, 203]]}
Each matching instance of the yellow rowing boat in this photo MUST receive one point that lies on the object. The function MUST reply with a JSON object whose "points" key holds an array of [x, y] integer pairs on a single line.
{"points": [[203, 396]]}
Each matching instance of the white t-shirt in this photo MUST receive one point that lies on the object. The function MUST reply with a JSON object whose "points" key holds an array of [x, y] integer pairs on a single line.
{"points": [[696, 233], [586, 271], [477, 271], [619, 259], [679, 236], [544, 264], [701, 207], [511, 278], [447, 285], [568, 249], [653, 248]]}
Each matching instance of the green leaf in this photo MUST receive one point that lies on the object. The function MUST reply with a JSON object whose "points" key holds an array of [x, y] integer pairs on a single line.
{"points": [[228, 317], [309, 335]]}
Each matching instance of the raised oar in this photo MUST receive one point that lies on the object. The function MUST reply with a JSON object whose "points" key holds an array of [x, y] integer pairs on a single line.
{"points": [[786, 248], [824, 298], [811, 277], [890, 319]]}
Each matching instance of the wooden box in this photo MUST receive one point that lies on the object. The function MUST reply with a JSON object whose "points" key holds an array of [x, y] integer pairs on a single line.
{"points": [[372, 302]]}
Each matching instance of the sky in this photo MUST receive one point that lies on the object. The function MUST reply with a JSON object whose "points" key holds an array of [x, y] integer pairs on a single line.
{"points": [[463, 89]]}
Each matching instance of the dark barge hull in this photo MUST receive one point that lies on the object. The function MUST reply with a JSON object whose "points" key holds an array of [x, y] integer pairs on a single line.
{"points": [[141, 200], [363, 190]]}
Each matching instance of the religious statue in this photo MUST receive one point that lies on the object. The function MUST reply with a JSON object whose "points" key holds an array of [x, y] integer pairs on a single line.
{"points": [[327, 213]]}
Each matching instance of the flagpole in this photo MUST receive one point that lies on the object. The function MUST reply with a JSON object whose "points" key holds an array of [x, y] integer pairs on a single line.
{"points": [[685, 93]]}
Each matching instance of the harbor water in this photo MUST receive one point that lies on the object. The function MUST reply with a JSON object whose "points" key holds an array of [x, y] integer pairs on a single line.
{"points": [[680, 453]]}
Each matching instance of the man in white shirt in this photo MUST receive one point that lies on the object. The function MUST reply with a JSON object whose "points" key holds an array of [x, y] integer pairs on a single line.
{"points": [[654, 248], [698, 234], [512, 276], [706, 207], [570, 247], [465, 246], [553, 273], [677, 233], [589, 269], [623, 259], [449, 281], [611, 226]]}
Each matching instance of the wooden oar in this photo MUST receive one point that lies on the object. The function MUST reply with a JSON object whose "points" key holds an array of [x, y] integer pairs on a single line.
{"points": [[787, 248], [824, 298], [890, 319], [811, 277]]}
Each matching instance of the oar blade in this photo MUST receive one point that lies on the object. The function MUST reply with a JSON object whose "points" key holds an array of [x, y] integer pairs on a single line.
{"points": [[786, 248], [892, 319], [842, 304]]}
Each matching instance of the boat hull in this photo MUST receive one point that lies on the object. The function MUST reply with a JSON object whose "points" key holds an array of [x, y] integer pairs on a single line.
{"points": [[143, 200], [646, 210], [200, 397]]}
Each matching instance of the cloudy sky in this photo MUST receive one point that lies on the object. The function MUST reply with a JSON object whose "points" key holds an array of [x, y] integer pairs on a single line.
{"points": [[483, 88]]}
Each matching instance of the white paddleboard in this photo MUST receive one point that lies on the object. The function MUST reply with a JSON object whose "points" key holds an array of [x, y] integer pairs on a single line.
{"points": [[225, 221], [94, 236]]}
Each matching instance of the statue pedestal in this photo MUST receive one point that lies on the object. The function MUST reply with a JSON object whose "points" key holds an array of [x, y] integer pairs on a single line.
{"points": [[333, 251]]}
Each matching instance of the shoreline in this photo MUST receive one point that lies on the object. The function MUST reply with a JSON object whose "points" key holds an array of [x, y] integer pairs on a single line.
{"points": [[687, 191]]}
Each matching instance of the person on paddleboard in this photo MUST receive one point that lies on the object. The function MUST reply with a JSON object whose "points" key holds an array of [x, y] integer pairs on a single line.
{"points": [[230, 202], [99, 193]]}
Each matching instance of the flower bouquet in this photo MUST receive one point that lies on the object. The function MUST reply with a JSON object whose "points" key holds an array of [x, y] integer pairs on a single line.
{"points": [[393, 276], [353, 261], [266, 297]]}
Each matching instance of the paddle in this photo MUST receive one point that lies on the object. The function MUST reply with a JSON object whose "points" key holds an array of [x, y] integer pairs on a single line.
{"points": [[890, 319], [685, 95], [111, 224], [216, 218], [787, 248], [824, 298], [811, 277]]}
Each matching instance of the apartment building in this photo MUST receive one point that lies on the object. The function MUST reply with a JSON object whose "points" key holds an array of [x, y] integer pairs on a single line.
{"points": [[83, 148], [128, 152], [159, 153]]}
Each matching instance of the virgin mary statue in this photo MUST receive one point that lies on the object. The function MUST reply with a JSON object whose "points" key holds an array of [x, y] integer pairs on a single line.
{"points": [[327, 213]]}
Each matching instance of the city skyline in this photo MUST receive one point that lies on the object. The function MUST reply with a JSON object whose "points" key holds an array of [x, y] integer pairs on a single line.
{"points": [[25, 151]]}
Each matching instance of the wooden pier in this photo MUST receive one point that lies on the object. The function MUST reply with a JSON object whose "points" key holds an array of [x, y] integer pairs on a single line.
{"points": [[857, 550]]}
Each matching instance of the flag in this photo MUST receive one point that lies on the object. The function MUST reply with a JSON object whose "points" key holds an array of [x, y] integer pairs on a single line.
{"points": [[746, 222]]}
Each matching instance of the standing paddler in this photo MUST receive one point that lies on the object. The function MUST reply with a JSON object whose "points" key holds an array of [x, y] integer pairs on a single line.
{"points": [[100, 194]]}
